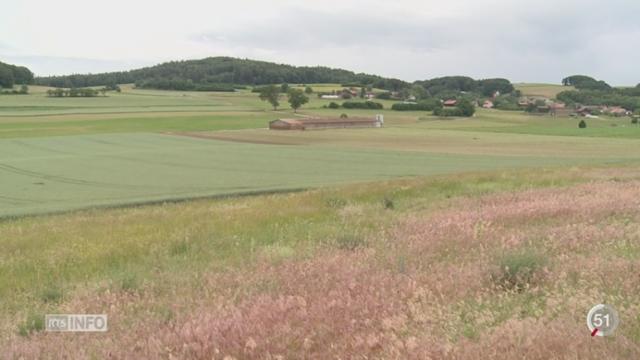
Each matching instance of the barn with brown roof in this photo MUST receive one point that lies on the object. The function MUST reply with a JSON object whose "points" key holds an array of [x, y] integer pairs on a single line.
{"points": [[325, 123]]}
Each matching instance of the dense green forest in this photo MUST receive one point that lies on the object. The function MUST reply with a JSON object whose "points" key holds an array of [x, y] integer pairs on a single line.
{"points": [[583, 82], [218, 73], [451, 86], [228, 74], [590, 91], [12, 74]]}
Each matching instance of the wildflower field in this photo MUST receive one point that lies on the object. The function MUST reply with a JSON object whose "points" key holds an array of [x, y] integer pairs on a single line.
{"points": [[501, 265]]}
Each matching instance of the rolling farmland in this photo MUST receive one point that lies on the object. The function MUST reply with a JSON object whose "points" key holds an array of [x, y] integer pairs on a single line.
{"points": [[399, 235], [66, 173], [139, 147]]}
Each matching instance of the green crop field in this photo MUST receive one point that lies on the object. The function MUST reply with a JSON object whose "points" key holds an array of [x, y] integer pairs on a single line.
{"points": [[542, 90], [407, 236], [131, 148], [69, 172]]}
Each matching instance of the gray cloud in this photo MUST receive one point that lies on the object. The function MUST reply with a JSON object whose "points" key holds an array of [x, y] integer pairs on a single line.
{"points": [[540, 41], [54, 65], [303, 29]]}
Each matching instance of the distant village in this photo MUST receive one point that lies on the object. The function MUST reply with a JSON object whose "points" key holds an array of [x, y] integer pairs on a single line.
{"points": [[535, 105]]}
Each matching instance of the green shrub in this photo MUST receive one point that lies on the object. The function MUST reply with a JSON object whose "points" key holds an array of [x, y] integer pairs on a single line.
{"points": [[180, 247], [216, 87], [52, 294], [129, 283], [582, 124], [384, 96], [362, 105], [33, 323], [447, 112], [466, 107], [336, 203], [344, 116], [350, 241], [388, 203], [334, 105], [519, 269]]}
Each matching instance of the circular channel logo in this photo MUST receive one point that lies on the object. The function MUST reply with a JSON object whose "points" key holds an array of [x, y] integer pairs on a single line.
{"points": [[602, 320]]}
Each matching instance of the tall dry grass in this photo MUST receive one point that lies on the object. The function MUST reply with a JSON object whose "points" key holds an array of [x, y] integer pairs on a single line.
{"points": [[426, 288]]}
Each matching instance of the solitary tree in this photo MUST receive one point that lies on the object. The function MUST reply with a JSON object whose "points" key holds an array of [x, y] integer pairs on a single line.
{"points": [[308, 90], [297, 98], [6, 77], [284, 88], [419, 92], [466, 107], [271, 94]]}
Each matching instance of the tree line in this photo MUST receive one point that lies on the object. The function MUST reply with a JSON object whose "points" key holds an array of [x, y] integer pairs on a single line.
{"points": [[589, 91], [80, 92], [11, 75], [24, 90], [295, 97], [451, 86], [220, 72]]}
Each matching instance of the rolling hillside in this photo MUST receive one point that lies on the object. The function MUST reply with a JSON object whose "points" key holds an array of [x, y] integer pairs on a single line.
{"points": [[184, 75]]}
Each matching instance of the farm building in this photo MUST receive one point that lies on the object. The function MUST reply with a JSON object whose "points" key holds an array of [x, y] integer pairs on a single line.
{"points": [[588, 110], [325, 123], [560, 109], [330, 96], [616, 111], [450, 102]]}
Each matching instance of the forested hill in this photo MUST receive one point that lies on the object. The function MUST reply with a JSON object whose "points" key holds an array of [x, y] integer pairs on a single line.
{"points": [[12, 74], [216, 72]]}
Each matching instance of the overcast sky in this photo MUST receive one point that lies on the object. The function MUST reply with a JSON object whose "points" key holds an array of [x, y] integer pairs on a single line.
{"points": [[525, 41]]}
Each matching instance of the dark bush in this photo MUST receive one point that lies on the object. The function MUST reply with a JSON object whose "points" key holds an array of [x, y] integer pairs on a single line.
{"points": [[334, 105], [215, 87], [384, 96], [519, 269], [350, 241], [388, 203], [427, 105], [362, 105], [447, 112], [73, 92], [466, 107], [336, 203], [582, 124], [34, 322]]}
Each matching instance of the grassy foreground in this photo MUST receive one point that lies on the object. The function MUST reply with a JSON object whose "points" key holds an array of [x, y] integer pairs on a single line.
{"points": [[493, 265]]}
